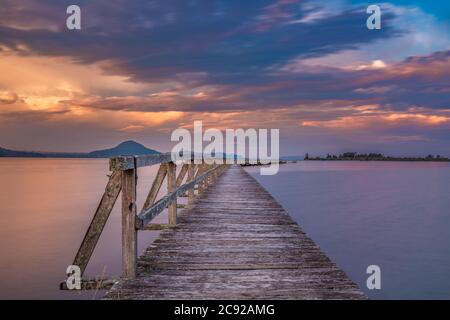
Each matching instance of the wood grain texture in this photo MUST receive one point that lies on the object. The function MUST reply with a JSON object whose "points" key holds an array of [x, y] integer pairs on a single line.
{"points": [[92, 284], [235, 242], [156, 186], [133, 162], [191, 175], [200, 171], [122, 163], [171, 186], [129, 232], [148, 214], [182, 174]]}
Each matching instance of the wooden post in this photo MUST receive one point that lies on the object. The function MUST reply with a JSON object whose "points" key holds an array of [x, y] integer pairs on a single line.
{"points": [[216, 172], [209, 180], [171, 186], [206, 181], [129, 232], [201, 185], [191, 172]]}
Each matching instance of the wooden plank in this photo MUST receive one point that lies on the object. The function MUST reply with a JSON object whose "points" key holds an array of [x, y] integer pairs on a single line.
{"points": [[182, 174], [147, 215], [209, 179], [191, 191], [133, 162], [122, 163], [171, 187], [149, 160], [157, 226], [156, 186], [92, 284], [98, 222], [129, 232], [200, 171], [237, 242]]}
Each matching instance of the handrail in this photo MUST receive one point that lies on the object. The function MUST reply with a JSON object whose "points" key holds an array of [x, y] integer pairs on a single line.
{"points": [[199, 171], [147, 215], [122, 163]]}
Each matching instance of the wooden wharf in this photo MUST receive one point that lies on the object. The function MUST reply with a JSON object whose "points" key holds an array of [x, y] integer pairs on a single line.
{"points": [[232, 240]]}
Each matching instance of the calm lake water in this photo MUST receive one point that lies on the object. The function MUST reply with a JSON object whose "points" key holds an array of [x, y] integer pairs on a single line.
{"points": [[395, 215], [47, 205], [392, 214]]}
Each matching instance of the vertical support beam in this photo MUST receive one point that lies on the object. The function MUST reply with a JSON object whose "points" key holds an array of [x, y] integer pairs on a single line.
{"points": [[129, 232], [201, 185], [216, 172], [181, 175], [153, 193], [102, 213], [211, 176], [191, 173], [208, 179], [171, 186]]}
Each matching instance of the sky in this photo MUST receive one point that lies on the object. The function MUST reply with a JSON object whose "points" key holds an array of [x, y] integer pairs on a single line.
{"points": [[140, 69]]}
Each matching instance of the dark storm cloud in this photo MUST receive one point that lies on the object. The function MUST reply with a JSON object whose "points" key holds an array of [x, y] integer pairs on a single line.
{"points": [[227, 56], [421, 81], [230, 41], [237, 47]]}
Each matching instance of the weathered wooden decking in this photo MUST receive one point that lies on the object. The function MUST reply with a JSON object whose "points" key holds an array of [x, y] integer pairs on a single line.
{"points": [[236, 242]]}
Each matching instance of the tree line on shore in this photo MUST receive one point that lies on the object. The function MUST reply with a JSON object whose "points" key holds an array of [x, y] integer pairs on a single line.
{"points": [[354, 156]]}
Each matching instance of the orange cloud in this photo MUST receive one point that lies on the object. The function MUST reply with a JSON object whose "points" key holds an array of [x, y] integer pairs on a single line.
{"points": [[365, 120], [8, 97], [44, 82]]}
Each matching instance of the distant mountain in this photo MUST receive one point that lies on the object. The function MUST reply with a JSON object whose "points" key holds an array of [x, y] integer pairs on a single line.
{"points": [[127, 148], [13, 153]]}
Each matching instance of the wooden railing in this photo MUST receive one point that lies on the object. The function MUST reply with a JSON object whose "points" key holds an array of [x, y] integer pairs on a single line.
{"points": [[196, 175]]}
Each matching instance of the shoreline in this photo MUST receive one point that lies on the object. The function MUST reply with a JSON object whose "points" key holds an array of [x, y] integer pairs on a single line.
{"points": [[445, 160], [380, 160]]}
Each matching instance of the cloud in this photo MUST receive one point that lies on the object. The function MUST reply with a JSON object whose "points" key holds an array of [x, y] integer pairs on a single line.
{"points": [[388, 119], [133, 128], [138, 39], [8, 97], [143, 68]]}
